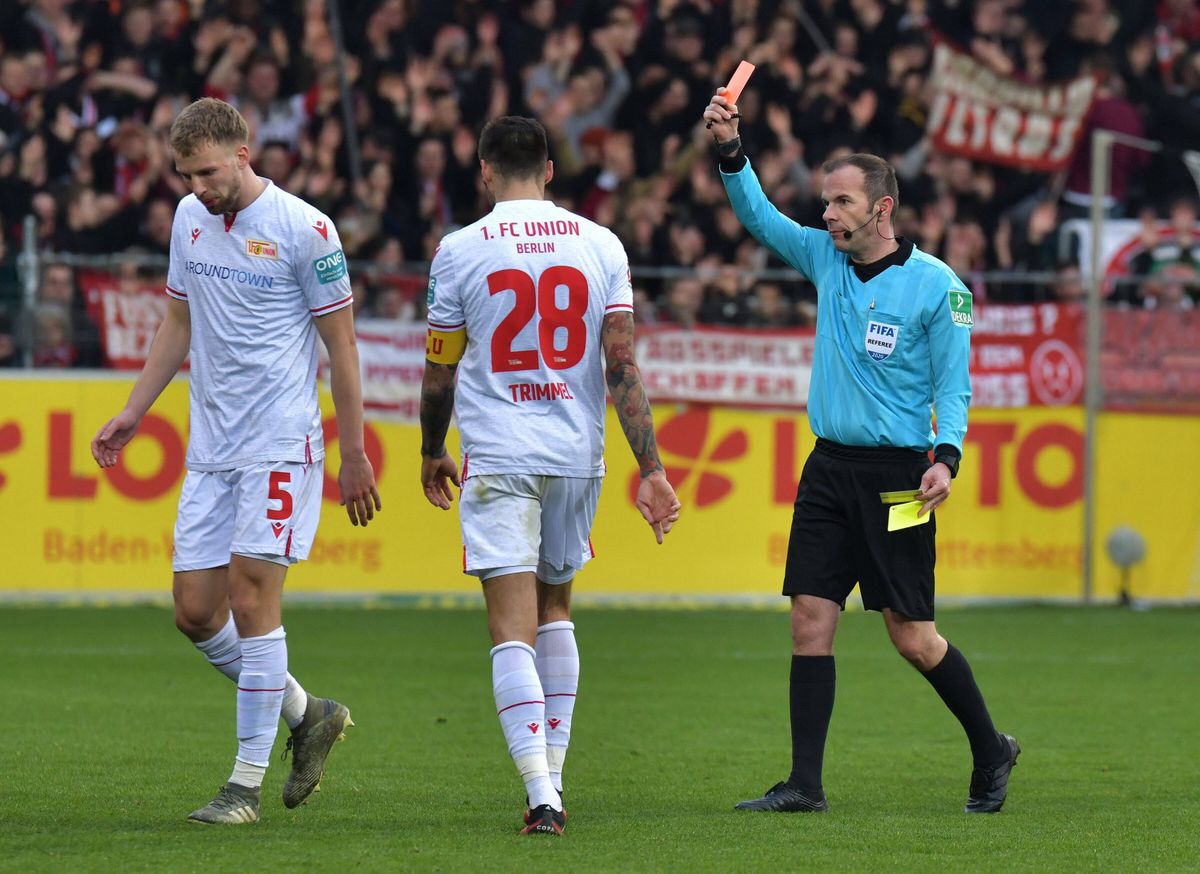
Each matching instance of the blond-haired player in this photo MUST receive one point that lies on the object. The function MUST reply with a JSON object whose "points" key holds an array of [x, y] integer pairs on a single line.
{"points": [[255, 276], [523, 304]]}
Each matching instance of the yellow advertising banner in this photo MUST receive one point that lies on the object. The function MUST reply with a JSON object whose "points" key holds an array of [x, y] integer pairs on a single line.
{"points": [[1012, 528]]}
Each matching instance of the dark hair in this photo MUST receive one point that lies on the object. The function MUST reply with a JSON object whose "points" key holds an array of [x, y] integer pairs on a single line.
{"points": [[514, 146], [879, 179]]}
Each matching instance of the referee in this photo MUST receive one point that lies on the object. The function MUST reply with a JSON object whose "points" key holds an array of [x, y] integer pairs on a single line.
{"points": [[893, 336]]}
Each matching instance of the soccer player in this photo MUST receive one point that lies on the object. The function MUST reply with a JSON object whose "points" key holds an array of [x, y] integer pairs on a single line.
{"points": [[526, 298], [255, 275], [893, 336]]}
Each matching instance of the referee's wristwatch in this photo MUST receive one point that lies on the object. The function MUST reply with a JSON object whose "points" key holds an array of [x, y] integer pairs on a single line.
{"points": [[949, 456]]}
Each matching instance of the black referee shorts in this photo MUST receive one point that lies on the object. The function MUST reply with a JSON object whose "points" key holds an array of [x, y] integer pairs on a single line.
{"points": [[839, 531]]}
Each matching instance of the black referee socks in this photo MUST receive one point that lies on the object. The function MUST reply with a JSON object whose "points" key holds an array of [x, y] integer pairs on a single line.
{"points": [[954, 682], [812, 684]]}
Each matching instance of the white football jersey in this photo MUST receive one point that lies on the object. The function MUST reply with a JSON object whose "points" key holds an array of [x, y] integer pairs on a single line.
{"points": [[253, 283], [531, 283]]}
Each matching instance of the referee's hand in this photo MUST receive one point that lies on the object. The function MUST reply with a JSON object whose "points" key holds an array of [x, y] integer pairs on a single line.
{"points": [[721, 118], [935, 488]]}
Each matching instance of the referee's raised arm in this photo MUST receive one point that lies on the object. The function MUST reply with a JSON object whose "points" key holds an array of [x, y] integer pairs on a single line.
{"points": [[789, 241], [722, 120]]}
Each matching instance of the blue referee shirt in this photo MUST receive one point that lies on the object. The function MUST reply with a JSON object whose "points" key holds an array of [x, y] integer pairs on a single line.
{"points": [[888, 350]]}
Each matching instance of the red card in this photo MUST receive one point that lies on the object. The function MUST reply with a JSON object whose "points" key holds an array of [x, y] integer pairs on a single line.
{"points": [[737, 82]]}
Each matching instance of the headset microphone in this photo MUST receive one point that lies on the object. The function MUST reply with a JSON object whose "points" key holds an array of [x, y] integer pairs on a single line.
{"points": [[847, 233]]}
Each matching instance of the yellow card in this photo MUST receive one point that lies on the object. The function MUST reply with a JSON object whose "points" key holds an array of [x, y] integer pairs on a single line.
{"points": [[905, 516]]}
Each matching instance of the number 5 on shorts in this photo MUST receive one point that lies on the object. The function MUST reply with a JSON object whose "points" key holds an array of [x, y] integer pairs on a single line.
{"points": [[276, 492]]}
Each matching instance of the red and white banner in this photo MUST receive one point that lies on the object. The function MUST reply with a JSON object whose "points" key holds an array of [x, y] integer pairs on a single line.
{"points": [[1028, 355], [723, 366], [392, 358], [127, 311], [706, 365], [1000, 120], [1021, 356]]}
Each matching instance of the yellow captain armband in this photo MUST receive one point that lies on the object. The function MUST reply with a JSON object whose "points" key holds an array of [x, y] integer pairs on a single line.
{"points": [[445, 347]]}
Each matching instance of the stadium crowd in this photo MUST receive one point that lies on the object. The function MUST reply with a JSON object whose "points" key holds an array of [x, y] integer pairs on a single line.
{"points": [[89, 88]]}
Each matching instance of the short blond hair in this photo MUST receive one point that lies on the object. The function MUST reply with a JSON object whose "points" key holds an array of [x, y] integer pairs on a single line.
{"points": [[207, 122]]}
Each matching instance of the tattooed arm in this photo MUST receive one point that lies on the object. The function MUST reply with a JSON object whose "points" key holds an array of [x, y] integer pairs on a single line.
{"points": [[628, 393], [655, 499], [438, 469]]}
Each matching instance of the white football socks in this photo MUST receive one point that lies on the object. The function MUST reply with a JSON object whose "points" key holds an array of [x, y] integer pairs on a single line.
{"points": [[295, 702], [557, 659], [224, 652], [260, 696], [250, 776], [522, 712]]}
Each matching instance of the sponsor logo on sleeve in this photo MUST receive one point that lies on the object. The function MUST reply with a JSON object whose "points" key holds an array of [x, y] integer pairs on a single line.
{"points": [[330, 268], [960, 308], [195, 235], [321, 228], [881, 339], [432, 288], [262, 249]]}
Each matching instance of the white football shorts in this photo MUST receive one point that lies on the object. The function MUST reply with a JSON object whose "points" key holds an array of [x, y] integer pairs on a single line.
{"points": [[526, 522], [267, 511]]}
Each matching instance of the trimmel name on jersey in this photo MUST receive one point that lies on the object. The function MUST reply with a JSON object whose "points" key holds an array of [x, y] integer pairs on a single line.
{"points": [[549, 391]]}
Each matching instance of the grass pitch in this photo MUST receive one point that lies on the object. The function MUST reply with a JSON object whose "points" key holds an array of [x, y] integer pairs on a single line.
{"points": [[117, 729]]}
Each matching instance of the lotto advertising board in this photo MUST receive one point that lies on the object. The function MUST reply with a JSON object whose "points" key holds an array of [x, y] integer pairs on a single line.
{"points": [[1011, 529]]}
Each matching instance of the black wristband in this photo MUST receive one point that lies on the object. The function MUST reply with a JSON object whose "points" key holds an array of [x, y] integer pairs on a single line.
{"points": [[730, 157], [729, 148], [949, 456], [732, 165]]}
